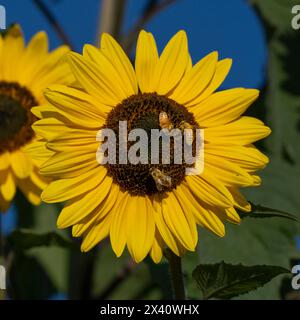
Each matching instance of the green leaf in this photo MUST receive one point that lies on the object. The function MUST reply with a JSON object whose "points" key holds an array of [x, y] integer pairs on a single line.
{"points": [[276, 12], [225, 281], [257, 241], [28, 279], [54, 259], [26, 239], [259, 211], [281, 96]]}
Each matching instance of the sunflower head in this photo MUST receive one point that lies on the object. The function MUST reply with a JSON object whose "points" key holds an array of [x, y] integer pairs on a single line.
{"points": [[25, 71], [148, 205]]}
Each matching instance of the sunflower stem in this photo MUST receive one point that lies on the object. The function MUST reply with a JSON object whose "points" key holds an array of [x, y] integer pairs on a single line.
{"points": [[111, 18], [176, 275]]}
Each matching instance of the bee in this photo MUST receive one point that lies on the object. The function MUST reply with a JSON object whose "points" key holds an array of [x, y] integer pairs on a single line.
{"points": [[185, 125], [161, 179], [189, 135], [164, 121]]}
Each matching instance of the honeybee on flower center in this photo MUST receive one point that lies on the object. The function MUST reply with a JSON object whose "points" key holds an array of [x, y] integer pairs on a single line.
{"points": [[161, 179], [165, 123]]}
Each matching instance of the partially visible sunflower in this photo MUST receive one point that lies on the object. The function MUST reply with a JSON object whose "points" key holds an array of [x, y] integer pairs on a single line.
{"points": [[125, 201], [24, 73]]}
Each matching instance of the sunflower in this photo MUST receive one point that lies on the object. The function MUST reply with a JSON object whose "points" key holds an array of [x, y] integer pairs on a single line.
{"points": [[128, 202], [24, 74]]}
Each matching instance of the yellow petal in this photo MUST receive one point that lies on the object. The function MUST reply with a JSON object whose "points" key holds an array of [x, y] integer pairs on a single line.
{"points": [[172, 63], [4, 205], [232, 216], [7, 185], [256, 180], [52, 60], [157, 248], [72, 109], [140, 226], [113, 51], [49, 128], [13, 48], [243, 131], [34, 55], [178, 222], [102, 210], [61, 74], [79, 207], [240, 201], [190, 220], [209, 190], [167, 236], [100, 80], [222, 70], [224, 106], [196, 80], [68, 119], [1, 49], [99, 59], [21, 164], [205, 218], [38, 152], [70, 164], [189, 65], [65, 189], [40, 181], [247, 157], [4, 161], [146, 61], [225, 171], [31, 191], [74, 100], [96, 234], [117, 228], [54, 129]]}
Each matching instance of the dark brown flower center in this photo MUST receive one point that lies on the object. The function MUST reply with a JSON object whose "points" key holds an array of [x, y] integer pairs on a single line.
{"points": [[15, 116], [149, 111]]}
